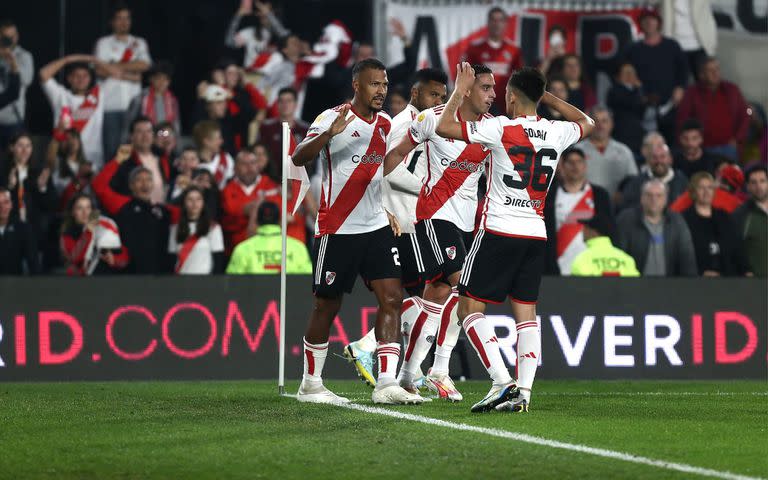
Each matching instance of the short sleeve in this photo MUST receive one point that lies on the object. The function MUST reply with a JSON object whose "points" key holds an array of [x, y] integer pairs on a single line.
{"points": [[143, 51], [55, 93], [570, 133], [101, 51], [321, 124], [422, 127], [216, 239], [487, 131]]}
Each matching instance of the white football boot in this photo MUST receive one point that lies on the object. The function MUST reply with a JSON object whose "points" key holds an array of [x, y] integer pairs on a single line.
{"points": [[315, 392], [394, 394]]}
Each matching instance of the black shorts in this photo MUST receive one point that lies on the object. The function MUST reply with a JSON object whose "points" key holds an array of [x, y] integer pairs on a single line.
{"points": [[410, 262], [338, 259], [443, 248], [499, 266]]}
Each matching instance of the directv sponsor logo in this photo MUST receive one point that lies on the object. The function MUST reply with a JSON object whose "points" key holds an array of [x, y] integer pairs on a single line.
{"points": [[521, 202], [464, 165], [373, 158]]}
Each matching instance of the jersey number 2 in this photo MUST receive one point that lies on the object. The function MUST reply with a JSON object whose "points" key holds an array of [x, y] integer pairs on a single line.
{"points": [[531, 170]]}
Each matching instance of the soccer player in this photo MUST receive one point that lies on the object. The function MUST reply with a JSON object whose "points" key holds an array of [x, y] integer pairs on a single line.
{"points": [[445, 220], [352, 232], [400, 191], [507, 255]]}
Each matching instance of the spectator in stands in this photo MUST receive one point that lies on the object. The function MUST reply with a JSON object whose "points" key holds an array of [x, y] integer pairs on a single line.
{"points": [[658, 240], [752, 221], [662, 68], [572, 200], [129, 56], [262, 253], [144, 224], [183, 170], [71, 171], [692, 24], [204, 180], [557, 87], [196, 241], [720, 108], [601, 258], [141, 154], [244, 194], [156, 102], [165, 143], [16, 68], [497, 52], [580, 93], [90, 243], [233, 119], [18, 244], [252, 28], [609, 162], [658, 166], [555, 49], [246, 104], [728, 184], [271, 133], [208, 140], [691, 158], [31, 186], [628, 102], [715, 240], [80, 105], [277, 69]]}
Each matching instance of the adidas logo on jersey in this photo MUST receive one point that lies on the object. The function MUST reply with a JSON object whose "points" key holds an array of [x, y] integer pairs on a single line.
{"points": [[355, 133], [528, 355]]}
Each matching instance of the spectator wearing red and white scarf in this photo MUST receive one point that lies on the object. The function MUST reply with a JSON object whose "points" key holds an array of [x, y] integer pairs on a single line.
{"points": [[157, 102], [196, 240], [208, 140], [90, 242], [129, 55]]}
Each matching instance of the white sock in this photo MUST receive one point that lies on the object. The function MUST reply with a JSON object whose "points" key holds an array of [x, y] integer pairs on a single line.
{"points": [[419, 341], [447, 335], [528, 353], [409, 313], [388, 356], [368, 342], [483, 339], [314, 359]]}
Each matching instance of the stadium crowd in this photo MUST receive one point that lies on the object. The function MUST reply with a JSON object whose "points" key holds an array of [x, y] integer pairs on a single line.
{"points": [[675, 168]]}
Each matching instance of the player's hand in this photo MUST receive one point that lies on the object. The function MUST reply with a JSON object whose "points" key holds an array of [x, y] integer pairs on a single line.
{"points": [[341, 121], [394, 225], [465, 78]]}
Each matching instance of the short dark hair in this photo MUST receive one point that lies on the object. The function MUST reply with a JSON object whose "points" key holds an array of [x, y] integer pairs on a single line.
{"points": [[161, 67], [747, 174], [268, 214], [426, 75], [6, 22], [367, 64], [481, 69], [704, 62], [283, 41], [290, 90], [530, 82], [138, 120], [77, 66], [165, 125], [568, 151], [496, 10], [692, 124], [117, 8]]}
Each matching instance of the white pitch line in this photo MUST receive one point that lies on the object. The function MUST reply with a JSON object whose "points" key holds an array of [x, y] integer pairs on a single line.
{"points": [[521, 437], [629, 394]]}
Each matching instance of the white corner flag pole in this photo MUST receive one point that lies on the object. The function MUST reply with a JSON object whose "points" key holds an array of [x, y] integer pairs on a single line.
{"points": [[284, 237]]}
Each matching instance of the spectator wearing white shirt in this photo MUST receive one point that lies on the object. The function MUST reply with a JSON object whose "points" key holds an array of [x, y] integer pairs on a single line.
{"points": [[80, 105], [130, 57], [253, 29], [196, 240], [12, 116]]}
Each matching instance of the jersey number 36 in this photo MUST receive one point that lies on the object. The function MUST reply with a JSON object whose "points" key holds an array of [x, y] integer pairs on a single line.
{"points": [[531, 170]]}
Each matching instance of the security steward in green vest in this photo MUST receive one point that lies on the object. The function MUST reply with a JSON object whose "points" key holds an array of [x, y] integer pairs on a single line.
{"points": [[261, 254], [601, 258]]}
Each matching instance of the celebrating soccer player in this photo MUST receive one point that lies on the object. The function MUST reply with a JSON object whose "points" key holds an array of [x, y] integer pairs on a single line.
{"points": [[507, 255], [445, 216], [353, 232], [401, 191]]}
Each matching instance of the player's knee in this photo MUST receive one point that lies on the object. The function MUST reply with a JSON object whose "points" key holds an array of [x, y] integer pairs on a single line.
{"points": [[392, 300], [327, 306]]}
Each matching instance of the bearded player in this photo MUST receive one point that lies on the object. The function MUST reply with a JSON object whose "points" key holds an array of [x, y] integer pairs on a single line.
{"points": [[507, 254]]}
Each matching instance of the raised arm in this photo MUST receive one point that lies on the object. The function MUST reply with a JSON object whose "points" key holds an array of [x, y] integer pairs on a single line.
{"points": [[310, 148], [51, 69], [448, 126], [570, 113]]}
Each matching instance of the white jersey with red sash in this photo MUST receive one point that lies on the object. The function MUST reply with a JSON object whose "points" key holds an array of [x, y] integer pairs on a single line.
{"points": [[194, 256], [352, 173], [87, 116], [110, 49], [83, 254], [569, 209], [525, 153], [222, 166]]}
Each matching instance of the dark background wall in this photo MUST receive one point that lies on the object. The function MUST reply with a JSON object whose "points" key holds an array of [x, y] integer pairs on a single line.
{"points": [[189, 33]]}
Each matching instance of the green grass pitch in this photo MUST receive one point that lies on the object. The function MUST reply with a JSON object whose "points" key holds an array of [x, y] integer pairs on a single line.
{"points": [[245, 430]]}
